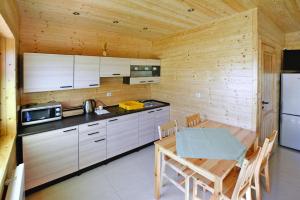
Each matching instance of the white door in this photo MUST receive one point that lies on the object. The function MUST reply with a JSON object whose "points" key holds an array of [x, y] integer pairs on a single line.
{"points": [[114, 67], [146, 127], [47, 72], [86, 71], [290, 131]]}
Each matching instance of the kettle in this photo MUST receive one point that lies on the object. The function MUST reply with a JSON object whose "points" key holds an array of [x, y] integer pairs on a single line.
{"points": [[89, 105]]}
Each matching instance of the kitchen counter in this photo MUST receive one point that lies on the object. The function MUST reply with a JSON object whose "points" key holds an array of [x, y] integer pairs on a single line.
{"points": [[115, 111]]}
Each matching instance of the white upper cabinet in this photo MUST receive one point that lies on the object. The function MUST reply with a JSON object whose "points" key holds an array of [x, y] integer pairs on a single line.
{"points": [[86, 71], [47, 72], [145, 62], [114, 67]]}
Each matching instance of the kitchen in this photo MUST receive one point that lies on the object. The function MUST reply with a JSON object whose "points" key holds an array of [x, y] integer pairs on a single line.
{"points": [[89, 89]]}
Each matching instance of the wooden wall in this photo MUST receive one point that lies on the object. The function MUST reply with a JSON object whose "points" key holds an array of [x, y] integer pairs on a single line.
{"points": [[292, 40], [52, 39], [217, 60]]}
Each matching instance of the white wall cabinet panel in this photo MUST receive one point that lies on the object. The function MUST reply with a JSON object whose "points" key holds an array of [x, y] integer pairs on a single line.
{"points": [[122, 134], [86, 71], [144, 80], [47, 72], [50, 155], [146, 127], [162, 115], [114, 67], [149, 62]]}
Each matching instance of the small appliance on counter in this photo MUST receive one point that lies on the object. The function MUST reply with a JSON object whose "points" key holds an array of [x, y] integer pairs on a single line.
{"points": [[131, 105], [40, 113], [89, 106], [72, 111]]}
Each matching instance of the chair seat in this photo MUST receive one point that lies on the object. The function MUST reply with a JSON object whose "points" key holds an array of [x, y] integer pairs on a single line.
{"points": [[228, 183]]}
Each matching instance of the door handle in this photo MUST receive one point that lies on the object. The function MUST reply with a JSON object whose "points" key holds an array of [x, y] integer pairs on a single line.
{"points": [[265, 102]]}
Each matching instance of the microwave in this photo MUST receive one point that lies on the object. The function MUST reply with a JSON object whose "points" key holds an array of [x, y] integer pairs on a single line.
{"points": [[40, 113]]}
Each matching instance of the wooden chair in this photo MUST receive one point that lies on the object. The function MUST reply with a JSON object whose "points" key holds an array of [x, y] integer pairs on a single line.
{"points": [[193, 120], [166, 130], [262, 167], [236, 185]]}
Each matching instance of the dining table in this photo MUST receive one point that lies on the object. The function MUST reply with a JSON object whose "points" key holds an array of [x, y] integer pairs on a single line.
{"points": [[212, 169]]}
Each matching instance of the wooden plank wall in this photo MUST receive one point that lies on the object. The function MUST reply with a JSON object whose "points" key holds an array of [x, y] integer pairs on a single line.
{"points": [[270, 34], [217, 60], [52, 39], [292, 40]]}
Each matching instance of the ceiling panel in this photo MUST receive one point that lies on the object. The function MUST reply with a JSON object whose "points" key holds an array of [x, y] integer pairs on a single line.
{"points": [[150, 19]]}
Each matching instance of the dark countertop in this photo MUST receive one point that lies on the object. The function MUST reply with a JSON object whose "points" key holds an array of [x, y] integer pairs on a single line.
{"points": [[115, 111]]}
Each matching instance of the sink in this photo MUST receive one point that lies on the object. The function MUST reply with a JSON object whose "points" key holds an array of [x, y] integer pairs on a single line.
{"points": [[149, 104]]}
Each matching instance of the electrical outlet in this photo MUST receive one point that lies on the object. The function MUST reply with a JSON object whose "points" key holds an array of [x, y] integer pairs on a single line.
{"points": [[108, 94], [198, 95]]}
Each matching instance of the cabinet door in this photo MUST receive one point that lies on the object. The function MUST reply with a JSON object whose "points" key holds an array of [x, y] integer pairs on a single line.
{"points": [[114, 67], [50, 155], [144, 80], [146, 127], [149, 62], [92, 147], [86, 71], [162, 115], [122, 134], [47, 72]]}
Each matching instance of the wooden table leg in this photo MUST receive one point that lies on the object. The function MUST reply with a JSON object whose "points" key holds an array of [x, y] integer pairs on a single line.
{"points": [[218, 189], [157, 172]]}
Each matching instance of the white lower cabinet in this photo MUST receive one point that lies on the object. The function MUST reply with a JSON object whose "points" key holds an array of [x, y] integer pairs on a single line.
{"points": [[92, 143], [162, 115], [146, 127], [122, 134], [50, 155]]}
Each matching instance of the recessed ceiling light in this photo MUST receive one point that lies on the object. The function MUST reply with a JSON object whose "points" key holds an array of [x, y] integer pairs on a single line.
{"points": [[76, 13], [115, 21], [190, 9]]}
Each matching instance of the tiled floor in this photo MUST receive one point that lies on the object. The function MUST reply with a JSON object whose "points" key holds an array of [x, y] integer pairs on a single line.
{"points": [[131, 178]]}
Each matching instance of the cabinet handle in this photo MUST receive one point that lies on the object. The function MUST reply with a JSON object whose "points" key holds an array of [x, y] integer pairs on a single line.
{"points": [[93, 124], [99, 140], [93, 133], [73, 129], [116, 74], [151, 111], [93, 85], [150, 81], [112, 120], [159, 110], [66, 86]]}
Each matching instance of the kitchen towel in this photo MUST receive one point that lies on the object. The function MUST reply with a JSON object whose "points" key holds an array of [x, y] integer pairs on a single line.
{"points": [[209, 143]]}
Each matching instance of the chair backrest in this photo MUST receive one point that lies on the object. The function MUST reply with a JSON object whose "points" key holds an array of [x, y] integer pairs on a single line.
{"points": [[245, 175], [266, 150], [193, 120], [167, 129]]}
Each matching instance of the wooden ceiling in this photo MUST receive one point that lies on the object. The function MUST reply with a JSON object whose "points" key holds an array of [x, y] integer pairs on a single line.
{"points": [[150, 19]]}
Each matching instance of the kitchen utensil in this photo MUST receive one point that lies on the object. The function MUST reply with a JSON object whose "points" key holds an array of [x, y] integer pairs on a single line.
{"points": [[89, 105]]}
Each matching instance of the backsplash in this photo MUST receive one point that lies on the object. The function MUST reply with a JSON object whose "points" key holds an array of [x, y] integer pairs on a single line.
{"points": [[119, 92]]}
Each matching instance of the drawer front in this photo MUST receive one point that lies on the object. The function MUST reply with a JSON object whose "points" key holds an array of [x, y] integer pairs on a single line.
{"points": [[91, 151], [90, 135], [50, 155], [92, 126], [122, 119]]}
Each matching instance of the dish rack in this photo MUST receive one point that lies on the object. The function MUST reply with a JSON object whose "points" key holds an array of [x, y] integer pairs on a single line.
{"points": [[131, 105]]}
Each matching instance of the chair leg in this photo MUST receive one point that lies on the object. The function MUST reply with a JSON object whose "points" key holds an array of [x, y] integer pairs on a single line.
{"points": [[248, 194], [163, 171], [267, 177], [195, 189], [257, 186], [187, 188]]}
